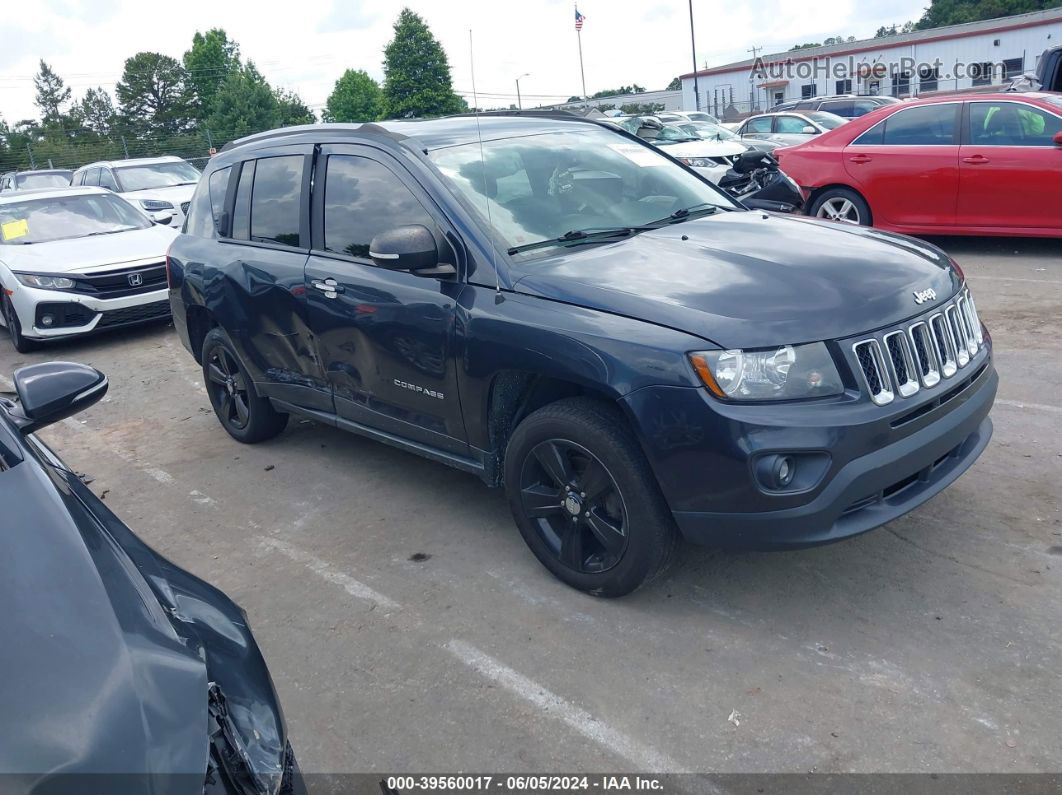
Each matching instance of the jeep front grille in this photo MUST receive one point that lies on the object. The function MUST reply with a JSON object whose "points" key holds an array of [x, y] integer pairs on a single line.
{"points": [[922, 354]]}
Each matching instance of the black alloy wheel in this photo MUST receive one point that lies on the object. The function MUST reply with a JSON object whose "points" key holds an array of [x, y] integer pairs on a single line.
{"points": [[228, 386], [573, 502], [247, 416], [14, 328]]}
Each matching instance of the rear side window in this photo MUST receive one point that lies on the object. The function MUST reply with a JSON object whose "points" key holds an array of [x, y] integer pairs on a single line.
{"points": [[107, 179], [362, 199], [761, 125], [930, 125], [91, 176], [844, 108], [276, 200]]}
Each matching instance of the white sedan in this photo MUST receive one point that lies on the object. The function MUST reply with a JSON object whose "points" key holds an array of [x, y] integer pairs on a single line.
{"points": [[78, 260]]}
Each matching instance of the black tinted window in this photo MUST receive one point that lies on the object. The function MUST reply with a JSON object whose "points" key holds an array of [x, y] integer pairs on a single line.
{"points": [[218, 185], [362, 199], [276, 200], [925, 126], [844, 108], [871, 137], [241, 211]]}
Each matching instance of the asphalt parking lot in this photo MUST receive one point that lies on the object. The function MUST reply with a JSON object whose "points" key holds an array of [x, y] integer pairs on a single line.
{"points": [[408, 628]]}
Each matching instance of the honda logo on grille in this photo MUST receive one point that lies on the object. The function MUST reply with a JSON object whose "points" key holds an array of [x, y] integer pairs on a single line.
{"points": [[921, 296], [135, 279]]}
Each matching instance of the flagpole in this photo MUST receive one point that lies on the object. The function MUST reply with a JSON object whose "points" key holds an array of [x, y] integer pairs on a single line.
{"points": [[582, 73]]}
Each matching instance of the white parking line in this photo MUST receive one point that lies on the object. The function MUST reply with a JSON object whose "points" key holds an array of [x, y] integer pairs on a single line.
{"points": [[1020, 404], [327, 571], [641, 756]]}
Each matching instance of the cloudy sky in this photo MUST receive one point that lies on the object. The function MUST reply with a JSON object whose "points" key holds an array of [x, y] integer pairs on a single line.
{"points": [[305, 46]]}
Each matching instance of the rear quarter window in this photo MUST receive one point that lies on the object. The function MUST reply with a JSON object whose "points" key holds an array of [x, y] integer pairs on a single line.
{"points": [[208, 202]]}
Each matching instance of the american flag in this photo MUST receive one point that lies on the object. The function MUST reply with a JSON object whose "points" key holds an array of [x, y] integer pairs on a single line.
{"points": [[579, 18]]}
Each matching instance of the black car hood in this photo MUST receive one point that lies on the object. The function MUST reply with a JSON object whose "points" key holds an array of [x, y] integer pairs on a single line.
{"points": [[116, 661], [95, 678], [751, 279]]}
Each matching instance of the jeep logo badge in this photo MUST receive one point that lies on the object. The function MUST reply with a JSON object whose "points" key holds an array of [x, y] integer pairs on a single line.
{"points": [[921, 296]]}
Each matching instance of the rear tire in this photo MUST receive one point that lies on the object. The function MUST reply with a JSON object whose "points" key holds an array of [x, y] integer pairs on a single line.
{"points": [[247, 416], [585, 499], [14, 329], [842, 205]]}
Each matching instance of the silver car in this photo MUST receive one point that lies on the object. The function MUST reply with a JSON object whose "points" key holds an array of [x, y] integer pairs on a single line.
{"points": [[788, 129]]}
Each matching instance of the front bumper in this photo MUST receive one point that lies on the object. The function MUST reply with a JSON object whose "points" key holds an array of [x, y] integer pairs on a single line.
{"points": [[882, 464], [84, 314]]}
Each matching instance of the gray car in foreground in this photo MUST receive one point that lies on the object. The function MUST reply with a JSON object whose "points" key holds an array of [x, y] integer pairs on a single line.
{"points": [[122, 672]]}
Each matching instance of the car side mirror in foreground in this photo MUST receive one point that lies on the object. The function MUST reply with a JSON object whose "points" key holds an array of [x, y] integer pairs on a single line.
{"points": [[809, 130], [162, 218], [52, 391], [410, 248]]}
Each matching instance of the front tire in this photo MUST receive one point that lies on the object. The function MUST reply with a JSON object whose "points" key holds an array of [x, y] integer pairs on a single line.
{"points": [[842, 205], [14, 328], [247, 416], [585, 500]]}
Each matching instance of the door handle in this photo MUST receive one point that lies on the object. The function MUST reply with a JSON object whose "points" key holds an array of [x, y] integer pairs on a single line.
{"points": [[330, 287], [976, 160], [861, 158]]}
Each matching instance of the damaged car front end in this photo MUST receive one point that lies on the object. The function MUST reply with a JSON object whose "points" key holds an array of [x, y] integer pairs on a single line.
{"points": [[134, 675]]}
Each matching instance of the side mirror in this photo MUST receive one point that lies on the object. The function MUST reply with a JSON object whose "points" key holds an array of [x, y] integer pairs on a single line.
{"points": [[162, 217], [53, 391], [809, 130], [408, 248], [1058, 138], [752, 160]]}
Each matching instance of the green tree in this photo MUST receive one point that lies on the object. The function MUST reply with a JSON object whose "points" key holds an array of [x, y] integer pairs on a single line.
{"points": [[642, 108], [212, 58], [955, 12], [245, 103], [291, 109], [52, 94], [356, 97], [154, 95], [96, 111], [675, 84], [417, 78]]}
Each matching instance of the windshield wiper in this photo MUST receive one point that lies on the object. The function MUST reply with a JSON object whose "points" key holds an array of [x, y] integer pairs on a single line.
{"points": [[578, 236], [684, 213], [111, 231]]}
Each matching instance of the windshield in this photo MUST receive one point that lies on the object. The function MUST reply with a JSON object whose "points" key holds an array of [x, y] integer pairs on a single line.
{"points": [[712, 132], [66, 217], [541, 187], [53, 180], [672, 132], [827, 120], [157, 175]]}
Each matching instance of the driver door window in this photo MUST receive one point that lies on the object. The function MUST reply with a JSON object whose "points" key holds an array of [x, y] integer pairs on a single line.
{"points": [[107, 180], [761, 126], [363, 198], [791, 125]]}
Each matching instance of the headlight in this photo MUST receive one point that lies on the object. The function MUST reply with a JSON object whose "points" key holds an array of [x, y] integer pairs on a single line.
{"points": [[155, 204], [699, 162], [45, 282], [786, 373]]}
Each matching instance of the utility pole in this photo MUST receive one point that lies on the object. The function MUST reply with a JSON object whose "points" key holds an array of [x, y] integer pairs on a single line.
{"points": [[520, 102], [579, 38], [752, 76], [693, 46], [33, 163]]}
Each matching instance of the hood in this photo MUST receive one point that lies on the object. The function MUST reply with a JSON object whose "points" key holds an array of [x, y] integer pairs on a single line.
{"points": [[704, 148], [85, 254], [748, 279], [97, 680], [175, 194]]}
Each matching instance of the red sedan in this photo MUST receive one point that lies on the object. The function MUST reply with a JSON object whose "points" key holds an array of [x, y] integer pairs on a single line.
{"points": [[976, 164]]}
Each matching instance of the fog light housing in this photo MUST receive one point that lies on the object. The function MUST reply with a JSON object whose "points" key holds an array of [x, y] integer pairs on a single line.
{"points": [[790, 473], [47, 320], [776, 472], [784, 471]]}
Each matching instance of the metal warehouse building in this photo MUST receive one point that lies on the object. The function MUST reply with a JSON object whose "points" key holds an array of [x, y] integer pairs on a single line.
{"points": [[975, 55]]}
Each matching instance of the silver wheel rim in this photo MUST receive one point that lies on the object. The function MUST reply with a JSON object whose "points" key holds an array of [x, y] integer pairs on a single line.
{"points": [[839, 209]]}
